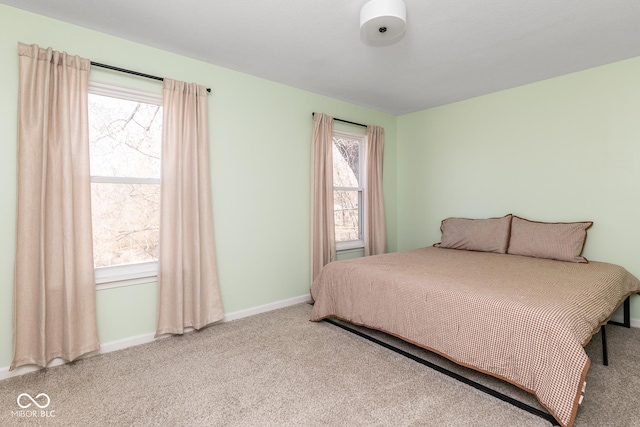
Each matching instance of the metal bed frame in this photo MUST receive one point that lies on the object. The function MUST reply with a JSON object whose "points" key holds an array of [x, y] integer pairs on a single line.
{"points": [[626, 322], [517, 403]]}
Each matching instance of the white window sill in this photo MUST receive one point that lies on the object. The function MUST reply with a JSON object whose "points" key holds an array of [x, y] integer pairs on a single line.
{"points": [[126, 275], [349, 246]]}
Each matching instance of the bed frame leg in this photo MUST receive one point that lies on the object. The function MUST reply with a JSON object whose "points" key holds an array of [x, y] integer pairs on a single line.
{"points": [[605, 356], [626, 323], [627, 314]]}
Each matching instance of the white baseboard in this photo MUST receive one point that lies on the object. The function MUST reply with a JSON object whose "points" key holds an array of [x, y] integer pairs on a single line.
{"points": [[635, 323], [266, 307], [145, 338]]}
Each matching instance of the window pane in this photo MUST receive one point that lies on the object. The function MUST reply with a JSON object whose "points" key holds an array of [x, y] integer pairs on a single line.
{"points": [[346, 162], [124, 137], [125, 223], [346, 216]]}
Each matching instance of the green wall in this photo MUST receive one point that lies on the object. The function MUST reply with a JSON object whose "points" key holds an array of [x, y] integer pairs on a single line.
{"points": [[563, 149], [260, 134]]}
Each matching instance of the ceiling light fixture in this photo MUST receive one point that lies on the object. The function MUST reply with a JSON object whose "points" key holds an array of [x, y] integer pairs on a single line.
{"points": [[383, 22]]}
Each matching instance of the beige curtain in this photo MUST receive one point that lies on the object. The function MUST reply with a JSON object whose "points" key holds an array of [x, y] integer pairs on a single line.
{"points": [[55, 314], [323, 239], [375, 230], [189, 295]]}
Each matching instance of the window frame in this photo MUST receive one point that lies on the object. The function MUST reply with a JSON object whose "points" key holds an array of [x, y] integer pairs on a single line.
{"points": [[358, 244], [141, 272]]}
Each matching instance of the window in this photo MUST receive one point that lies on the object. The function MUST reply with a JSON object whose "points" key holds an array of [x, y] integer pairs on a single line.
{"points": [[125, 133], [348, 189]]}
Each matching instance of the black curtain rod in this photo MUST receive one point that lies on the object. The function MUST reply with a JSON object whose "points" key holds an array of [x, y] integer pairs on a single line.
{"points": [[135, 73], [345, 121]]}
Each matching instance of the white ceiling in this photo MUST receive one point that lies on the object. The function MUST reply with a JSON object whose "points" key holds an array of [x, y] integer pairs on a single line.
{"points": [[453, 49]]}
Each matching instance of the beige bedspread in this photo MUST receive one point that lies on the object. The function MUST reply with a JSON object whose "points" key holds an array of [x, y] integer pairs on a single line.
{"points": [[521, 319]]}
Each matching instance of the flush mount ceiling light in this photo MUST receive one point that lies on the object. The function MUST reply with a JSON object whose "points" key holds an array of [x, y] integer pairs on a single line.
{"points": [[383, 22]]}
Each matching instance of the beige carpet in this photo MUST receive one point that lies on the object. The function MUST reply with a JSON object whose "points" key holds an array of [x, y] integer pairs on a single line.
{"points": [[279, 369]]}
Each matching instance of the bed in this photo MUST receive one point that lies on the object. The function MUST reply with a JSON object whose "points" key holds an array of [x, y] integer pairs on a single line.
{"points": [[518, 318]]}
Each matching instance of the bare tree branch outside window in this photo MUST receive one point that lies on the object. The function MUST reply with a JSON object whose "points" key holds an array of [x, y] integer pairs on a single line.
{"points": [[125, 191], [346, 181]]}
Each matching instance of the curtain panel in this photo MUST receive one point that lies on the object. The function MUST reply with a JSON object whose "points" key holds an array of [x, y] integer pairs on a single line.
{"points": [[375, 235], [323, 240], [189, 295], [54, 296]]}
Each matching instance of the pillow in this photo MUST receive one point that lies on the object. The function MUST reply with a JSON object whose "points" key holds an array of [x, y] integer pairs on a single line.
{"points": [[484, 235], [562, 241]]}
